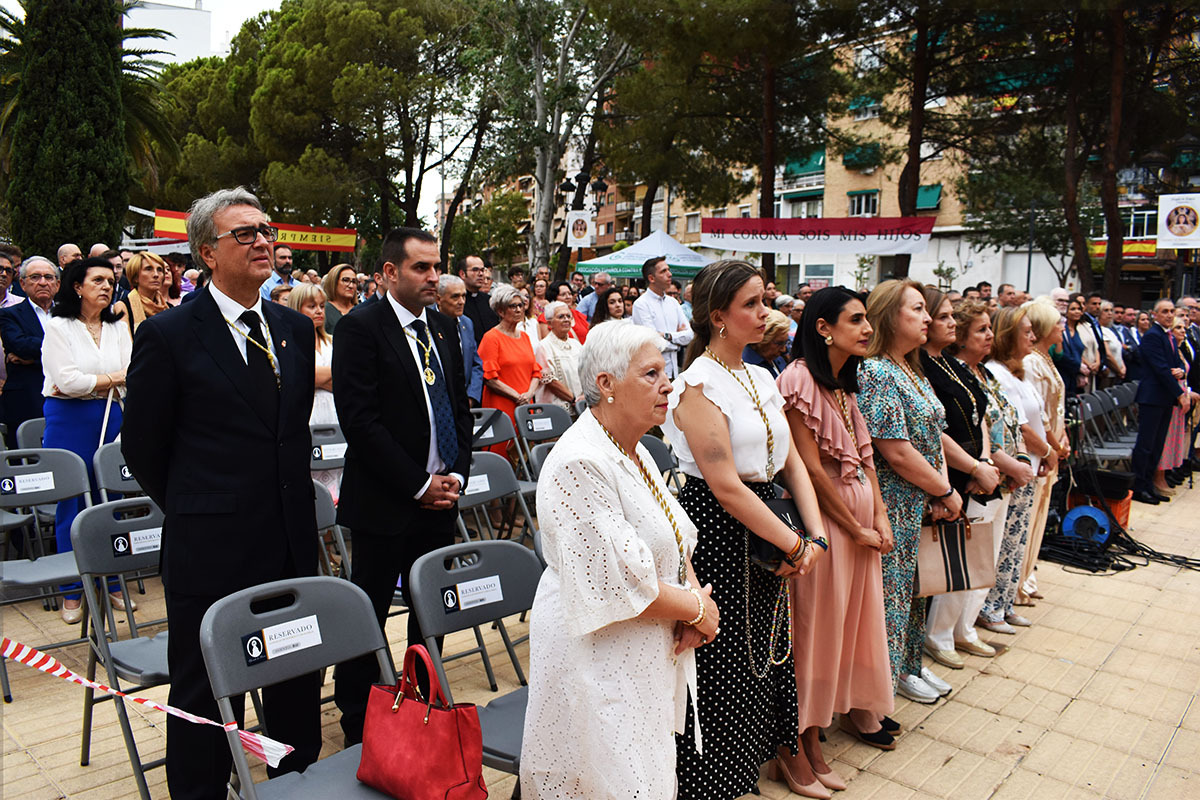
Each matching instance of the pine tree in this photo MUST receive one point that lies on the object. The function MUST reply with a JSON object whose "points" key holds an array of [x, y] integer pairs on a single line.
{"points": [[70, 172]]}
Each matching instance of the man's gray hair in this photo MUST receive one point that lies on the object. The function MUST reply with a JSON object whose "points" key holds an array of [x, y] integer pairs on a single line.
{"points": [[448, 282], [602, 276], [502, 295], [610, 346], [552, 308], [29, 262], [201, 229]]}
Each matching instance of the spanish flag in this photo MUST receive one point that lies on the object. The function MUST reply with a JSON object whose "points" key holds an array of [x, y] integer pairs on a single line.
{"points": [[173, 225]]}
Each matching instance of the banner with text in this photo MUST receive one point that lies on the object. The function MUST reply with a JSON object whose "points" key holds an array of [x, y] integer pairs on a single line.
{"points": [[882, 236], [173, 225]]}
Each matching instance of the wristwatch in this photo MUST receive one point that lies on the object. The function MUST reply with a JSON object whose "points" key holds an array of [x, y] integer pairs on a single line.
{"points": [[667, 336]]}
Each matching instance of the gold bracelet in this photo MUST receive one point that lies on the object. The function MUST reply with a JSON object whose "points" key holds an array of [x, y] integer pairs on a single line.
{"points": [[699, 602]]}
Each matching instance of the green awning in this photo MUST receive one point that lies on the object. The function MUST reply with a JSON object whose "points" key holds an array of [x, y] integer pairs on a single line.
{"points": [[863, 157], [815, 162], [862, 191], [929, 196], [802, 194]]}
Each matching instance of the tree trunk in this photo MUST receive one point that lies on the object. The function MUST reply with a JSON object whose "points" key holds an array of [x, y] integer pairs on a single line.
{"points": [[1073, 160], [1114, 257], [910, 176], [648, 205], [581, 190], [481, 127], [766, 195], [385, 210]]}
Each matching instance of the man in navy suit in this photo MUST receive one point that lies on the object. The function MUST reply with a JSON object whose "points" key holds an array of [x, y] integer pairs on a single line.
{"points": [[452, 299], [237, 493], [22, 327], [1157, 394]]}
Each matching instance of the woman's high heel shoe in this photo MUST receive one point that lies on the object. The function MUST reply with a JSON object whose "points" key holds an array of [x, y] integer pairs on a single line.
{"points": [[830, 780], [816, 789]]}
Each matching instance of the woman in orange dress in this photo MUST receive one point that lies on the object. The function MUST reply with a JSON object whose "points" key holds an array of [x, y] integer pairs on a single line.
{"points": [[841, 649], [511, 373]]}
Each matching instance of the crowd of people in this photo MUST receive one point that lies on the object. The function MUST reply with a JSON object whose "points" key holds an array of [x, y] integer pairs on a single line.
{"points": [[678, 643]]}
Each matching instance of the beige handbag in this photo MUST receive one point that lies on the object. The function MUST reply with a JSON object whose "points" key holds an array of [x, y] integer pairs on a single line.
{"points": [[950, 559]]}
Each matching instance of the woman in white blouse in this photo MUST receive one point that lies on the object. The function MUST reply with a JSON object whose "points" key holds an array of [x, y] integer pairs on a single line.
{"points": [[84, 358], [558, 355], [618, 611]]}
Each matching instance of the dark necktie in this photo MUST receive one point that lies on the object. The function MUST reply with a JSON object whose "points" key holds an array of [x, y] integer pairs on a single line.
{"points": [[439, 399], [262, 375]]}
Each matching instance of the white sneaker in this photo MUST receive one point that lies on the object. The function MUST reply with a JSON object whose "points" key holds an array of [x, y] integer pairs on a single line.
{"points": [[938, 685], [916, 690]]}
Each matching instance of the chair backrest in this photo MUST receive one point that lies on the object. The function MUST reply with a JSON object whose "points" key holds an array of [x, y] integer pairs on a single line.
{"points": [[30, 477], [29, 433], [117, 537], [538, 454], [327, 621], [491, 477], [326, 512], [537, 422], [328, 446], [474, 583], [580, 406], [490, 426], [112, 475], [664, 459]]}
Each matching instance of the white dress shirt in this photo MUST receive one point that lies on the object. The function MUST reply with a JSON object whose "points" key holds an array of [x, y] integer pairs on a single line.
{"points": [[664, 315], [433, 460], [71, 360], [232, 310], [43, 316]]}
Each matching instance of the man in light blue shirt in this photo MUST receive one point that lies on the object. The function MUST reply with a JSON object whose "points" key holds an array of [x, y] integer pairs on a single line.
{"points": [[600, 282], [282, 272]]}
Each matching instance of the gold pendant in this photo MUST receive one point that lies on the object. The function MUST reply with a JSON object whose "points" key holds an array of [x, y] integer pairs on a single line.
{"points": [[429, 376]]}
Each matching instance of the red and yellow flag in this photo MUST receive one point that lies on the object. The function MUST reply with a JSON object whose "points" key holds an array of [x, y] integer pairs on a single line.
{"points": [[173, 225], [1136, 248]]}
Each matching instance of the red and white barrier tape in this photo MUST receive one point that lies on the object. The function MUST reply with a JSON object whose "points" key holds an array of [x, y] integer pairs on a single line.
{"points": [[264, 748]]}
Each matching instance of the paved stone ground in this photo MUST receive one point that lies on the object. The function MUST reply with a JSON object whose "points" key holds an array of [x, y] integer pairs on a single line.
{"points": [[1097, 700]]}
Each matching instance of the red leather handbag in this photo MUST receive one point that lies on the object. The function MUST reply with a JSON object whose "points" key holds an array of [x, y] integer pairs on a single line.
{"points": [[418, 748]]}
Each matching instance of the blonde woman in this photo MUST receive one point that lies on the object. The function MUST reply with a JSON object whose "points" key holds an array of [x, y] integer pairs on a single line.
{"points": [[340, 285], [147, 275], [309, 300]]}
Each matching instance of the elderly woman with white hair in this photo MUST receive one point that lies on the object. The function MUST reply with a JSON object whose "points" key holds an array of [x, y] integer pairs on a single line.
{"points": [[619, 610], [558, 356], [511, 373]]}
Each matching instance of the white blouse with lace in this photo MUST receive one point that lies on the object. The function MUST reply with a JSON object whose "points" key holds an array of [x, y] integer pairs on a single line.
{"points": [[71, 359], [606, 692], [747, 434]]}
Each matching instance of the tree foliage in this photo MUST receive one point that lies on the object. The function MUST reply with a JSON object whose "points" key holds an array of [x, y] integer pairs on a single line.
{"points": [[493, 229], [69, 173]]}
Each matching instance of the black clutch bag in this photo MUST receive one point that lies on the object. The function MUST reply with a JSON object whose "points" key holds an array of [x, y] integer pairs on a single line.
{"points": [[762, 552]]}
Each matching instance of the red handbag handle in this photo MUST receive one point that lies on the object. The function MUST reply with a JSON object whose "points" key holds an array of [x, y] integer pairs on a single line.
{"points": [[408, 682]]}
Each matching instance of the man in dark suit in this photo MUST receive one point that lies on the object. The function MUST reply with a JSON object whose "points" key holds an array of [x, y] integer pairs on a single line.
{"points": [[401, 399], [22, 327], [478, 306], [1157, 394], [452, 296], [236, 491]]}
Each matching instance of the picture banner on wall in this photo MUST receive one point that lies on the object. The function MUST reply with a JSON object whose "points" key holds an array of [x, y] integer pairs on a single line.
{"points": [[881, 236], [1179, 221]]}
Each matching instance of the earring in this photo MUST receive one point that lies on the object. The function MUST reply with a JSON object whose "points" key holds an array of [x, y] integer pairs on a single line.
{"points": [[828, 340], [722, 332], [610, 398]]}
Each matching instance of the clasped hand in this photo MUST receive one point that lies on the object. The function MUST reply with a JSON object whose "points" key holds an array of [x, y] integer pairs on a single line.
{"points": [[441, 494], [690, 636]]}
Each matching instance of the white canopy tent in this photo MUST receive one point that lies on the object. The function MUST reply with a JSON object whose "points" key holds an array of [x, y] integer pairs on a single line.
{"points": [[627, 263]]}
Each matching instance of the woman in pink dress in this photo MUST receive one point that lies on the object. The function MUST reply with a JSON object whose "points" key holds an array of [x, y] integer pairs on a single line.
{"points": [[841, 650], [1175, 447]]}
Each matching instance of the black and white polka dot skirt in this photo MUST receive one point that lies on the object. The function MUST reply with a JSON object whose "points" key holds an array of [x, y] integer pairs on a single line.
{"points": [[743, 718]]}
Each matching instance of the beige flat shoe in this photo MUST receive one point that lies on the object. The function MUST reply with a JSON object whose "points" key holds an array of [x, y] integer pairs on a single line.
{"points": [[119, 602], [71, 616]]}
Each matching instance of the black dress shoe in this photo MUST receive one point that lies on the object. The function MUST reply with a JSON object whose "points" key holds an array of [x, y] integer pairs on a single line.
{"points": [[1162, 498], [1171, 480], [1146, 497]]}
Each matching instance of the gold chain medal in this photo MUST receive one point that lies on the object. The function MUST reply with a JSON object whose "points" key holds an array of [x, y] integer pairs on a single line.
{"points": [[427, 349]]}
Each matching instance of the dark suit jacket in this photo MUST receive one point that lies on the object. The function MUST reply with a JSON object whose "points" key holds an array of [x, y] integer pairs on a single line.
{"points": [[1158, 356], [22, 334], [478, 308], [237, 493], [381, 408]]}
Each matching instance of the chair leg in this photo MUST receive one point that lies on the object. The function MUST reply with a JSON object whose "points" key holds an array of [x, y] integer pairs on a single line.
{"points": [[135, 760], [256, 701], [516, 795], [89, 701], [4, 680], [487, 662]]}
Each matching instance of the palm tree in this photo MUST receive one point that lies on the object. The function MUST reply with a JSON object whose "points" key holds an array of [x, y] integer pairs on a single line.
{"points": [[149, 136]]}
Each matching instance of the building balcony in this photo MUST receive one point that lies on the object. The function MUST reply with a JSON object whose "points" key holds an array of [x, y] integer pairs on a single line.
{"points": [[623, 236], [813, 180], [625, 207]]}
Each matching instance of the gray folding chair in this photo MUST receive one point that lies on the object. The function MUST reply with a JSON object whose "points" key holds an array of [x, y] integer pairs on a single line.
{"points": [[491, 427], [540, 422], [29, 433], [29, 478], [328, 446], [537, 456], [327, 521], [348, 630], [492, 478], [118, 538], [114, 480], [515, 571], [664, 460]]}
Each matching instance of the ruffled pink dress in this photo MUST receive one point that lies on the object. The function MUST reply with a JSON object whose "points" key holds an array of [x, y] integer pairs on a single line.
{"points": [[841, 650]]}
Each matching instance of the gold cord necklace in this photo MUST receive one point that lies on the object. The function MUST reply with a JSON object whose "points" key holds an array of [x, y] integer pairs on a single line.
{"points": [[658, 496], [251, 340], [427, 349], [848, 421], [750, 390]]}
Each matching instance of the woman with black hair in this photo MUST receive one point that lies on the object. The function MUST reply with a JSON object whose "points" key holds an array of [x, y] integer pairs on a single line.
{"points": [[84, 357], [609, 305], [841, 649]]}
